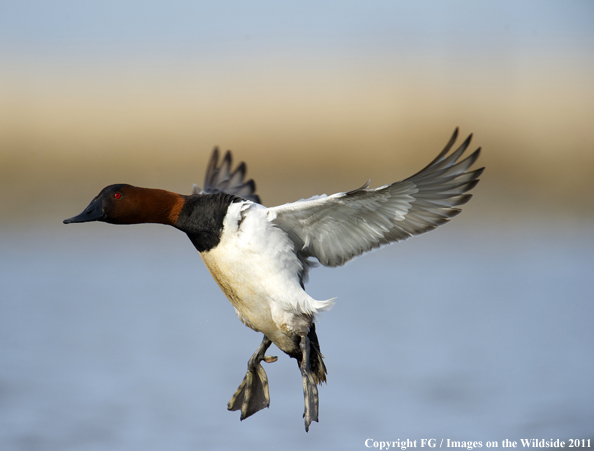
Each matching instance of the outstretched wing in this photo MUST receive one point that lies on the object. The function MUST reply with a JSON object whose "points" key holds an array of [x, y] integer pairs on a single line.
{"points": [[336, 228], [220, 179]]}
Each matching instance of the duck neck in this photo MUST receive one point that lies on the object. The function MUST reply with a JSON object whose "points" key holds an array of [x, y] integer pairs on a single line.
{"points": [[157, 206], [202, 218]]}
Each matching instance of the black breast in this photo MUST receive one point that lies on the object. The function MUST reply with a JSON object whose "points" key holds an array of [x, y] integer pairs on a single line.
{"points": [[202, 218]]}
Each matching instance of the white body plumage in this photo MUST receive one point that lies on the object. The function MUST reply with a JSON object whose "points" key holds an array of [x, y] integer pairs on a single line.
{"points": [[256, 266]]}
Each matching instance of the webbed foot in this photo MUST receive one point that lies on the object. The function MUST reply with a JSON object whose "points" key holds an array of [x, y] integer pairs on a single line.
{"points": [[252, 394]]}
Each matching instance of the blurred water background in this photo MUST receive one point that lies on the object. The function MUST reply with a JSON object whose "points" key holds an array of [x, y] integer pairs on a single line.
{"points": [[117, 338]]}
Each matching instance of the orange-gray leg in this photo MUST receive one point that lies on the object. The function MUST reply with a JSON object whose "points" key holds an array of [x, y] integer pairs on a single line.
{"points": [[252, 394]]}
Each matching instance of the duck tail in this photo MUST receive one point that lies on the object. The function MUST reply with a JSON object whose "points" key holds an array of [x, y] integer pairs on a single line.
{"points": [[316, 359]]}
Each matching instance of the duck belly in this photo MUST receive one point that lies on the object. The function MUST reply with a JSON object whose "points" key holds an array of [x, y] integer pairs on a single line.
{"points": [[259, 291]]}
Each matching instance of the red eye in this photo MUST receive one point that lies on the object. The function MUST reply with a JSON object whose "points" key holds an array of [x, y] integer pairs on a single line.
{"points": [[117, 195]]}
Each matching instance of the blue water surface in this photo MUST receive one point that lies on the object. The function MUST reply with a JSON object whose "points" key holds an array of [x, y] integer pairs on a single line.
{"points": [[117, 338]]}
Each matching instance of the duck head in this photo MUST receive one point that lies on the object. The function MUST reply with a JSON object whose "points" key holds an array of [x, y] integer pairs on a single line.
{"points": [[127, 204]]}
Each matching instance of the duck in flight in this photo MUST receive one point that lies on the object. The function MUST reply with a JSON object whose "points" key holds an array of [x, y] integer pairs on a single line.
{"points": [[260, 257]]}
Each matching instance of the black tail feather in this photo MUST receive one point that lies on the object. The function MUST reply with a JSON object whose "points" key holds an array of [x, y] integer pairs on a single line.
{"points": [[316, 359]]}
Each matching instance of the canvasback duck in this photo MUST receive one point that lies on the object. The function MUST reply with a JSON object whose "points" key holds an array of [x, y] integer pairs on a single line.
{"points": [[260, 256]]}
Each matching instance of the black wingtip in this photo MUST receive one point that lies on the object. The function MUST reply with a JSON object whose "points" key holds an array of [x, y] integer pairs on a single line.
{"points": [[214, 158], [219, 177], [228, 159], [241, 169]]}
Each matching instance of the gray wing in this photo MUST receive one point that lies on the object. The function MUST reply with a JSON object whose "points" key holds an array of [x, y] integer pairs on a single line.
{"points": [[220, 179], [336, 228]]}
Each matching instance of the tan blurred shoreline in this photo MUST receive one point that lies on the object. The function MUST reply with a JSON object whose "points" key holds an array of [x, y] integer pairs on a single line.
{"points": [[63, 139]]}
